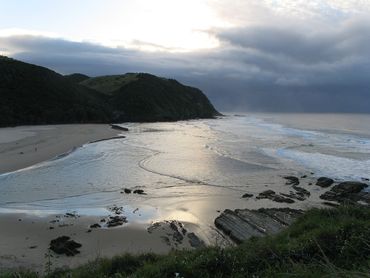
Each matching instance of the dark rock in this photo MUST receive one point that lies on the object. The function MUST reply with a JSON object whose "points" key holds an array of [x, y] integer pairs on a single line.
{"points": [[51, 228], [304, 176], [247, 195], [324, 182], [349, 187], [88, 231], [96, 225], [300, 193], [349, 191], [194, 241], [127, 191], [270, 194], [139, 191], [117, 127], [116, 221], [64, 245], [291, 180], [103, 220]]}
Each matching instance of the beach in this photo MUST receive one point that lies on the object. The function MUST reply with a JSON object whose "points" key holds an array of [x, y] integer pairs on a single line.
{"points": [[24, 146], [163, 185]]}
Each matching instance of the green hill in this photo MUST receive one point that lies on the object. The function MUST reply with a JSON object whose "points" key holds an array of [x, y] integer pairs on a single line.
{"points": [[144, 97], [31, 94]]}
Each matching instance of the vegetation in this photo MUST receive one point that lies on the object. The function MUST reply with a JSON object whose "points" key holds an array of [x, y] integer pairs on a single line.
{"points": [[31, 94], [323, 242]]}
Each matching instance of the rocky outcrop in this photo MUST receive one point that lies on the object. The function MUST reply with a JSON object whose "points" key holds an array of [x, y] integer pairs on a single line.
{"points": [[349, 191], [242, 224]]}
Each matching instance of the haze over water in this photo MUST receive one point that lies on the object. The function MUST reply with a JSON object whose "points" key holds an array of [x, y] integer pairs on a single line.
{"points": [[207, 162]]}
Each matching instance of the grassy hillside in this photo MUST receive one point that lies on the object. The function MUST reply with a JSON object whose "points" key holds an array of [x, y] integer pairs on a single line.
{"points": [[31, 94], [109, 83], [138, 97], [322, 243]]}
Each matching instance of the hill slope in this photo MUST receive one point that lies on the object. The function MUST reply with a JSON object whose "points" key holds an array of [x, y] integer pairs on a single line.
{"points": [[145, 97], [31, 94]]}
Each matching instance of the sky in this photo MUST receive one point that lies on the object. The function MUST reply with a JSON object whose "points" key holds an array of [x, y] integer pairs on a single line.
{"points": [[246, 55]]}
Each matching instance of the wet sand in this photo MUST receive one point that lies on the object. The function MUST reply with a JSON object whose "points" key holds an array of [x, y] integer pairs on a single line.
{"points": [[24, 146], [25, 239]]}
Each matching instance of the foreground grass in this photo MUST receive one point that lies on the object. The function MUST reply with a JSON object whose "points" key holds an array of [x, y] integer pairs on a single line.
{"points": [[322, 243]]}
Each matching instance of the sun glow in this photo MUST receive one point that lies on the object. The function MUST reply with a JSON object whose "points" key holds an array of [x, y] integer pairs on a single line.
{"points": [[162, 25]]}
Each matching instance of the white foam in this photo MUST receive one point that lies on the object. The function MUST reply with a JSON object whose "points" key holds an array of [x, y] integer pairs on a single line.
{"points": [[329, 165]]}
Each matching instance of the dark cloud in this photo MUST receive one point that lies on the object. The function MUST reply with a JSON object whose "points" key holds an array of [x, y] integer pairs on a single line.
{"points": [[257, 68]]}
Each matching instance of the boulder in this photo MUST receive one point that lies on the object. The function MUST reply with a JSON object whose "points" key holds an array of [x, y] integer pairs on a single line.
{"points": [[64, 245], [348, 191], [324, 182]]}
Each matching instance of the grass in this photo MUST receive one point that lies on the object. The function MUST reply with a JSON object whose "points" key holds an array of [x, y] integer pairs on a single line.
{"points": [[321, 243]]}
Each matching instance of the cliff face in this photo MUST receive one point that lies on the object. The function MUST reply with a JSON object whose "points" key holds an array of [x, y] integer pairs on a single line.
{"points": [[30, 94]]}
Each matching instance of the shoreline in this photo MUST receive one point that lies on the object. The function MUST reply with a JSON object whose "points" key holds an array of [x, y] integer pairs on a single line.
{"points": [[24, 146]]}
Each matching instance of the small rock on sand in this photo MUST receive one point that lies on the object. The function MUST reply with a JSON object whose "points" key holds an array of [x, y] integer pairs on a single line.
{"points": [[64, 245], [247, 195]]}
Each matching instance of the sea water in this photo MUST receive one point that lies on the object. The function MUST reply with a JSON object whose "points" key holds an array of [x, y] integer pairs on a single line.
{"points": [[184, 162]]}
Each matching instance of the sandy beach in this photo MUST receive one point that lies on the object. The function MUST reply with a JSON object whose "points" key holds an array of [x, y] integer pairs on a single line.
{"points": [[24, 146], [25, 240]]}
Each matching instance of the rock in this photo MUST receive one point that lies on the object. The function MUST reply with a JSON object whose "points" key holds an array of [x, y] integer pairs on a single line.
{"points": [[96, 225], [349, 187], [139, 191], [127, 191], [116, 210], [118, 127], [291, 180], [194, 241], [116, 221], [324, 182], [270, 194], [349, 191], [300, 193], [247, 195], [304, 176], [243, 224], [64, 245]]}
